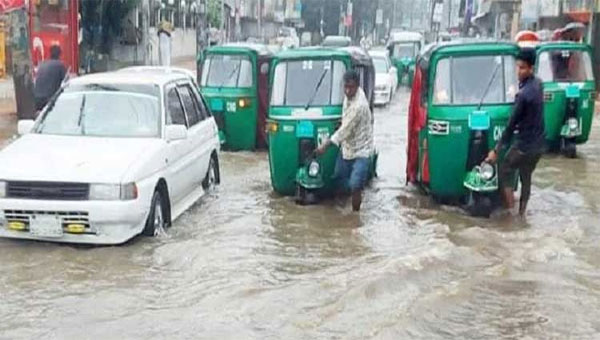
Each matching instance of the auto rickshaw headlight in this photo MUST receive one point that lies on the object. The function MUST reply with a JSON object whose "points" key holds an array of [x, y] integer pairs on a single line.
{"points": [[272, 127], [572, 123], [313, 169], [243, 103], [487, 171]]}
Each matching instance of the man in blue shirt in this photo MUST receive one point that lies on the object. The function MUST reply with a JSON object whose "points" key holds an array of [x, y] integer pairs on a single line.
{"points": [[526, 125]]}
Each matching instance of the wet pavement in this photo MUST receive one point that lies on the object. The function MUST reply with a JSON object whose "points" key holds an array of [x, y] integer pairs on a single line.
{"points": [[245, 263]]}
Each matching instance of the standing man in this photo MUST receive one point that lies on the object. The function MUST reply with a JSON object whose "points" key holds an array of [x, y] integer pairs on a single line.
{"points": [[164, 44], [50, 75], [355, 139], [526, 125]]}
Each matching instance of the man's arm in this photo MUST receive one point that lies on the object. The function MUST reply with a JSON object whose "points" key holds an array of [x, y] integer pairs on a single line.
{"points": [[344, 131], [509, 131], [515, 118]]}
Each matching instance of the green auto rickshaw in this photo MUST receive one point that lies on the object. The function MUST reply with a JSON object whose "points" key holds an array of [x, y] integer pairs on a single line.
{"points": [[234, 80], [565, 69], [461, 100], [305, 109], [404, 48]]}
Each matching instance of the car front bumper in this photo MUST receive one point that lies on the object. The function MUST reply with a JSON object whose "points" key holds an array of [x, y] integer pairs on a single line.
{"points": [[382, 97], [106, 222]]}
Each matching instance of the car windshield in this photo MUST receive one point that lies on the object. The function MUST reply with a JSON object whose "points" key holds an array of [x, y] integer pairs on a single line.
{"points": [[464, 80], [104, 111], [381, 65], [295, 82], [221, 70], [565, 66], [405, 50]]}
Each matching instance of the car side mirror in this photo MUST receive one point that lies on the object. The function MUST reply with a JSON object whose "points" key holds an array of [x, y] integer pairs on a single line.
{"points": [[25, 126], [393, 70], [175, 132]]}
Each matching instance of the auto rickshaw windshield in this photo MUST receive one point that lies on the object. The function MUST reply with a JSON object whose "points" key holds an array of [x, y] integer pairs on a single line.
{"points": [[565, 66], [295, 82], [465, 80], [405, 50], [226, 71]]}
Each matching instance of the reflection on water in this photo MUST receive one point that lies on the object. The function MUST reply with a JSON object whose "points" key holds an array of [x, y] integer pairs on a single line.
{"points": [[245, 263]]}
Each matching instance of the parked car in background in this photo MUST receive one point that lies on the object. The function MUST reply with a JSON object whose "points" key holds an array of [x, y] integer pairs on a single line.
{"points": [[113, 155], [386, 77], [288, 38], [306, 39], [336, 41]]}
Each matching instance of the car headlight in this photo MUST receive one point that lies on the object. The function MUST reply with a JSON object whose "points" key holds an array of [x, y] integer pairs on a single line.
{"points": [[313, 169], [2, 189], [487, 171], [572, 123], [113, 192]]}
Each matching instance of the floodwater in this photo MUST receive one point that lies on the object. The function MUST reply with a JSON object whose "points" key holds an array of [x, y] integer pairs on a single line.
{"points": [[245, 263]]}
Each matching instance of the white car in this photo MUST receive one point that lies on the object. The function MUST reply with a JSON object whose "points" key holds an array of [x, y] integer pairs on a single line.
{"points": [[288, 38], [114, 155], [386, 77]]}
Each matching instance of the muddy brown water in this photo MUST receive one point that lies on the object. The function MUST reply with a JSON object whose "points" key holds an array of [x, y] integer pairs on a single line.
{"points": [[245, 263]]}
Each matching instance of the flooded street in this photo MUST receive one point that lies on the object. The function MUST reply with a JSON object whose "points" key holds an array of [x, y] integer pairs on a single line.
{"points": [[245, 263]]}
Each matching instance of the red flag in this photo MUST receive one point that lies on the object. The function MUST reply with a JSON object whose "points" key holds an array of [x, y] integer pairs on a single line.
{"points": [[10, 5]]}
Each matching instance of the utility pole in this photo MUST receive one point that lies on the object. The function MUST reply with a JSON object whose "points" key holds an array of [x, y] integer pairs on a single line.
{"points": [[394, 3], [201, 35], [260, 10], [145, 29], [590, 34], [449, 15]]}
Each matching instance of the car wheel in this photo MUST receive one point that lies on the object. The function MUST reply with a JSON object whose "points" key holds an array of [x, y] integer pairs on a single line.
{"points": [[156, 224], [213, 176]]}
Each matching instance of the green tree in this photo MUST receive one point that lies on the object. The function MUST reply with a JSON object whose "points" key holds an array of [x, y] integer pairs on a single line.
{"points": [[214, 12]]}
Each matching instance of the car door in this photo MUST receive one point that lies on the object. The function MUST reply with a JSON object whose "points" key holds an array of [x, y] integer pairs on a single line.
{"points": [[209, 130], [393, 75], [197, 132], [178, 180]]}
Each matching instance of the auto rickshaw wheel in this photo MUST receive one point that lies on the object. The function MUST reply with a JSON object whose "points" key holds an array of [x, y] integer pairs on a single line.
{"points": [[568, 148], [305, 197], [479, 205]]}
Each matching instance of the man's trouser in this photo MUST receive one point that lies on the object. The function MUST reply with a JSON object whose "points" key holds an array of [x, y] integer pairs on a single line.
{"points": [[525, 162], [351, 174]]}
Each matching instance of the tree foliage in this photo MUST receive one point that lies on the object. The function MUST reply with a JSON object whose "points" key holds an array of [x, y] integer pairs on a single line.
{"points": [[214, 12], [102, 22]]}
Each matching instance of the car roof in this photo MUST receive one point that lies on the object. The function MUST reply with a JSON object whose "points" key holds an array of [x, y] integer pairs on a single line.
{"points": [[405, 36], [158, 70], [155, 77], [380, 53], [337, 39]]}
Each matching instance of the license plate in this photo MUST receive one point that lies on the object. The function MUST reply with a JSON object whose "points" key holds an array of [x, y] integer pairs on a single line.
{"points": [[305, 129], [45, 226], [479, 120], [572, 91], [217, 104]]}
